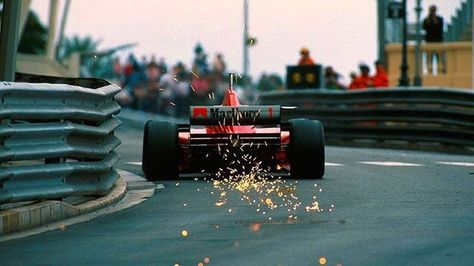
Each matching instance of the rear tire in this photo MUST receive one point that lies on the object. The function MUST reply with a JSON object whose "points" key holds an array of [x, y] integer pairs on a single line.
{"points": [[306, 149], [160, 159]]}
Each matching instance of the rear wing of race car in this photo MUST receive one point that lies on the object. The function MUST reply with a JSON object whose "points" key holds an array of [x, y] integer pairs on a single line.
{"points": [[235, 115]]}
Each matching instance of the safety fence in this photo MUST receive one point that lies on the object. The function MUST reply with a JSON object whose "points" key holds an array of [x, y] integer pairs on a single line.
{"points": [[57, 137], [428, 118]]}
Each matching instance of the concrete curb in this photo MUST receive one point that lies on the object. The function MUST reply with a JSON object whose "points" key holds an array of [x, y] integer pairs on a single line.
{"points": [[45, 212]]}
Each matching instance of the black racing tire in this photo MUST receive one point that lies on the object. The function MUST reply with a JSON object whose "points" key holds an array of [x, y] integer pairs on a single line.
{"points": [[160, 159], [306, 149]]}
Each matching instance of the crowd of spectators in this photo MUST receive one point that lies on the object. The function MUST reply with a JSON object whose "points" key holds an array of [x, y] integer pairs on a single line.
{"points": [[153, 86], [363, 80]]}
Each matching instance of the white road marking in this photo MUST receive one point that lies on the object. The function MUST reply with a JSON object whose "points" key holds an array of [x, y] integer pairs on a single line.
{"points": [[134, 163], [392, 164], [333, 164], [457, 163]]}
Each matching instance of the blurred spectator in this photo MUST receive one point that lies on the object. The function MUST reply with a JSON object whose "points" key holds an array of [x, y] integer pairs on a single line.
{"points": [[353, 84], [143, 62], [364, 80], [174, 87], [128, 68], [145, 91], [380, 79], [218, 65], [181, 89], [200, 64], [332, 79], [305, 59], [133, 72], [163, 65], [118, 69], [433, 25]]}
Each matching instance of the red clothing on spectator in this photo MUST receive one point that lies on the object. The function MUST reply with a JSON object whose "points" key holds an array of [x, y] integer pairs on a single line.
{"points": [[306, 61], [353, 85], [362, 82], [128, 70], [380, 79]]}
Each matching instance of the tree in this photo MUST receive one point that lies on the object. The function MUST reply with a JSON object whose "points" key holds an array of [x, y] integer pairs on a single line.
{"points": [[76, 44], [94, 63], [35, 34]]}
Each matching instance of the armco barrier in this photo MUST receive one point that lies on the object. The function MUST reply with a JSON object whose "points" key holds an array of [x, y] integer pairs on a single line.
{"points": [[57, 140], [432, 118]]}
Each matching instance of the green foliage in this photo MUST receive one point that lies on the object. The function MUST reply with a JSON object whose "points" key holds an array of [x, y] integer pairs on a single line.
{"points": [[77, 44], [35, 36], [94, 63]]}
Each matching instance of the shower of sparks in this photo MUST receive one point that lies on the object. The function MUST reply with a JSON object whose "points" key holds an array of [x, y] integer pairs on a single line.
{"points": [[220, 203], [322, 261], [245, 175], [255, 227], [194, 74]]}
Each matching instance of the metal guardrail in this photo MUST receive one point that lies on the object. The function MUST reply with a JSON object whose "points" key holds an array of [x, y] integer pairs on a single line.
{"points": [[428, 118], [57, 140]]}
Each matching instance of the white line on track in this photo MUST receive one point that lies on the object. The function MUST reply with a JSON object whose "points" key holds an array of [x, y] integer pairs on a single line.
{"points": [[333, 164], [392, 164], [134, 163], [457, 163]]}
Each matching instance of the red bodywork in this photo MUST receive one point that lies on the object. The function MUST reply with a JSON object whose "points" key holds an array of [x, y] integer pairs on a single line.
{"points": [[243, 131]]}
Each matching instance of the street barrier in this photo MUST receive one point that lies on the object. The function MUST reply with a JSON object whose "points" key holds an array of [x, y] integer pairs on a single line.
{"points": [[428, 118], [57, 137]]}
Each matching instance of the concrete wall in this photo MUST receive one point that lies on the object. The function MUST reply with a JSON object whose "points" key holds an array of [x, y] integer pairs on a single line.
{"points": [[42, 65], [454, 69]]}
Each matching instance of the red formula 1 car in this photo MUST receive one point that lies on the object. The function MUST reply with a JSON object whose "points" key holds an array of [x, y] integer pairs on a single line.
{"points": [[213, 132]]}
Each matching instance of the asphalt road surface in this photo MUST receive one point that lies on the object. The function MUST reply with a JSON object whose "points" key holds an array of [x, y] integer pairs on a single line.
{"points": [[376, 207]]}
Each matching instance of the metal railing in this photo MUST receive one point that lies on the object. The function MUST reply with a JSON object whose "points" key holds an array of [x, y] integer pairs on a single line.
{"points": [[57, 140], [429, 118]]}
